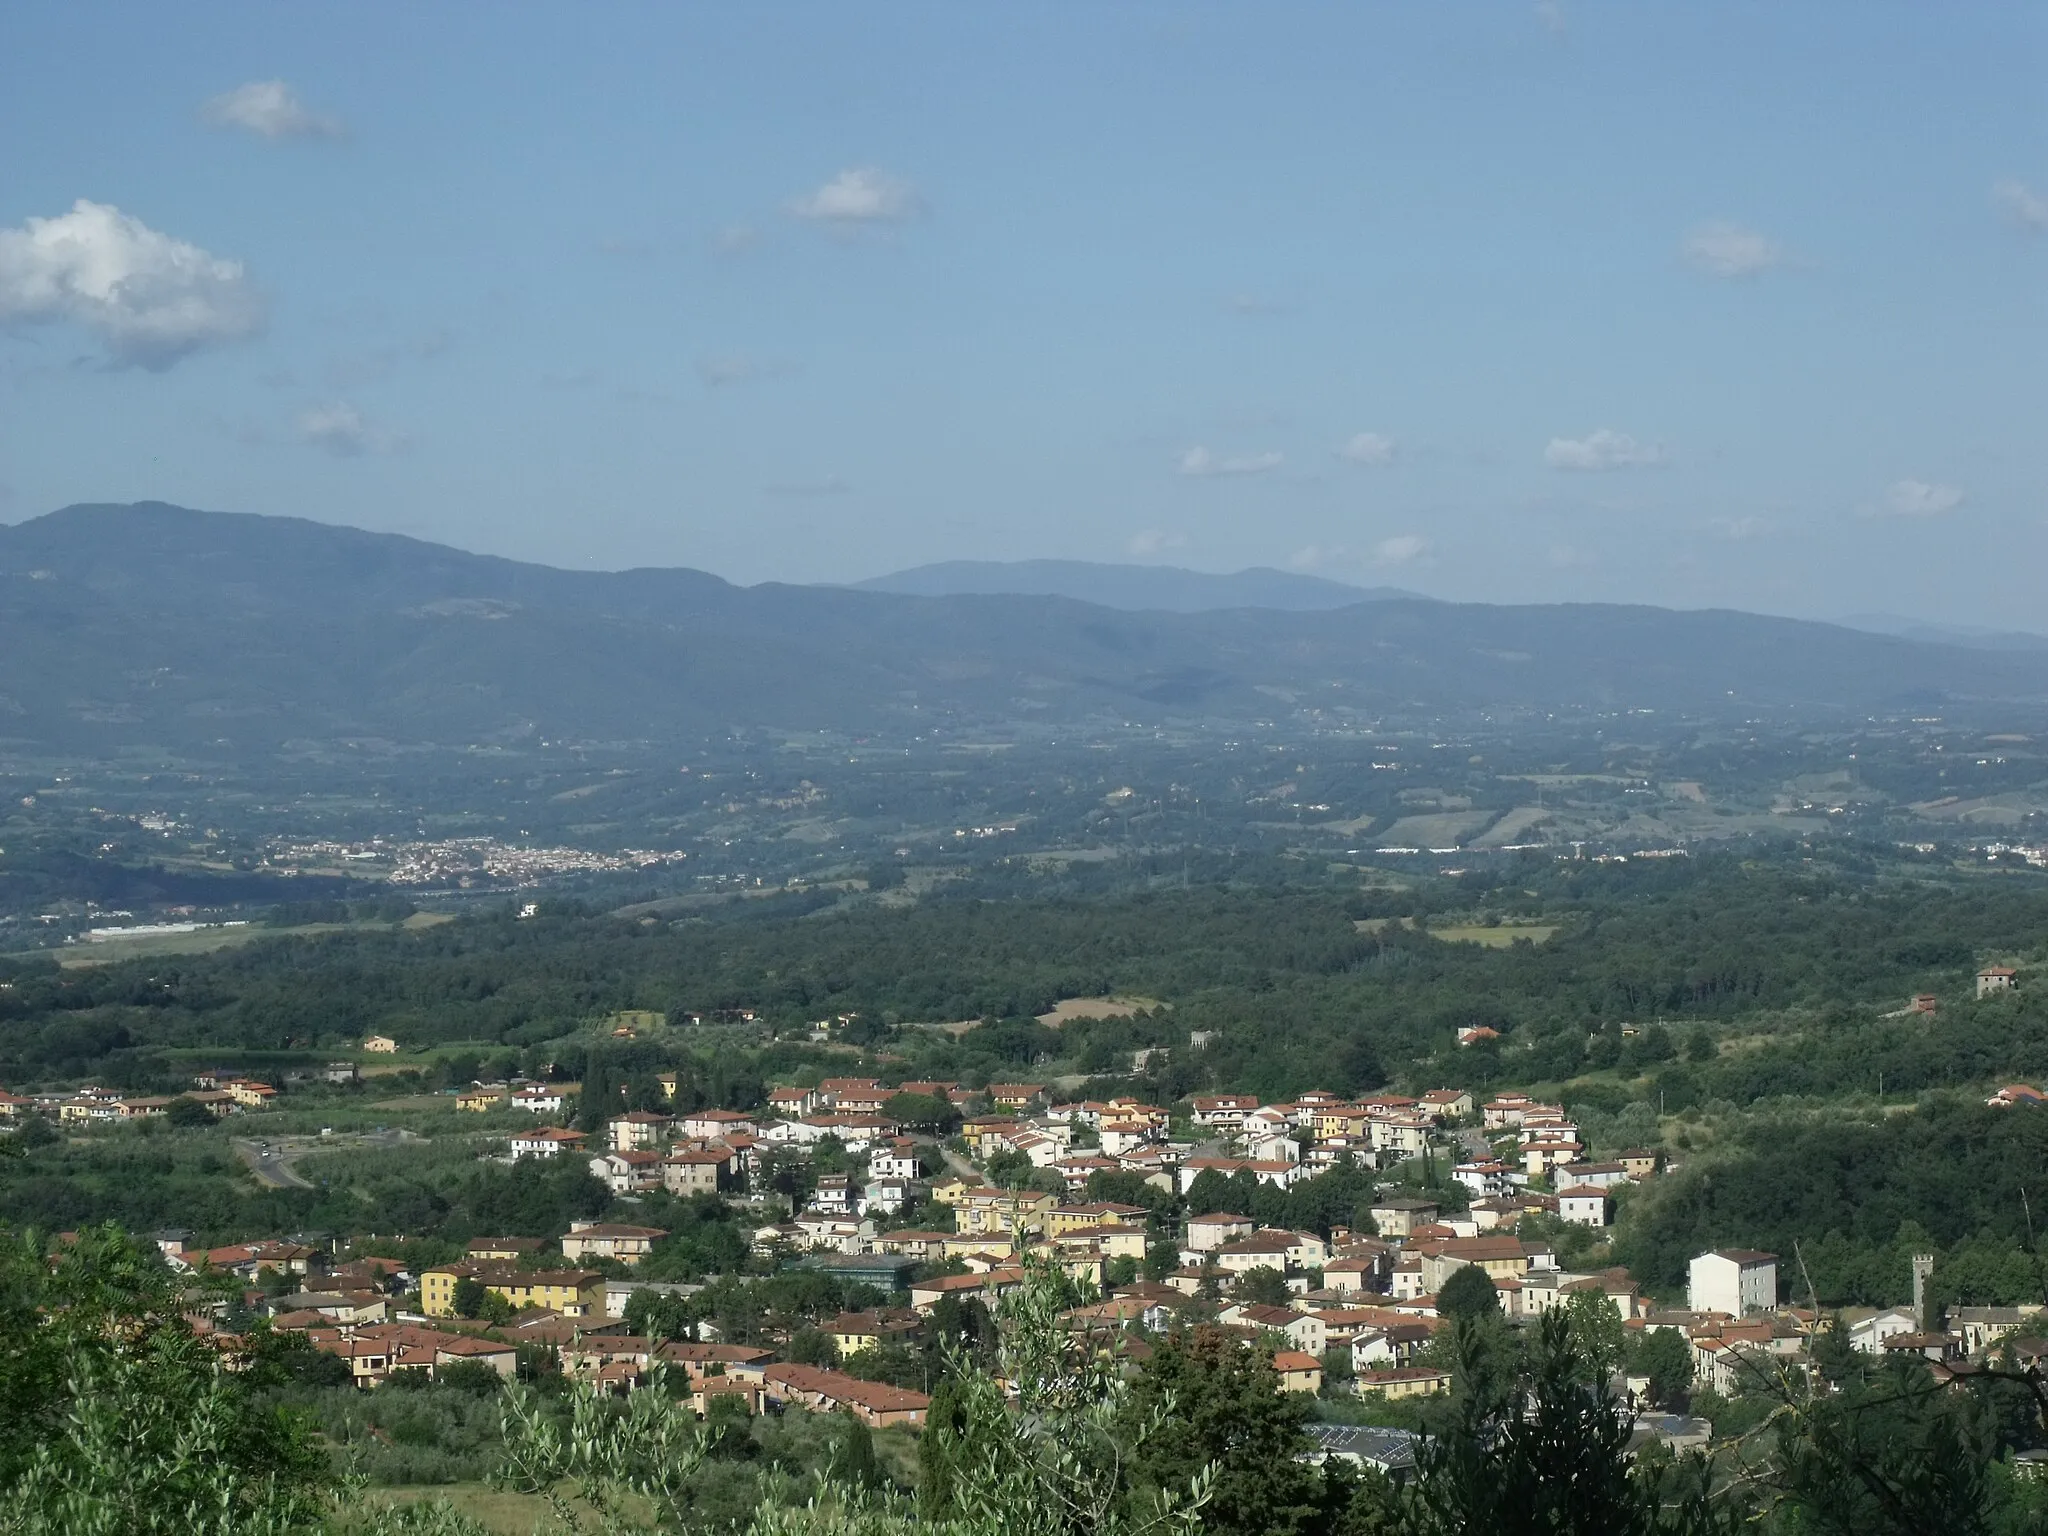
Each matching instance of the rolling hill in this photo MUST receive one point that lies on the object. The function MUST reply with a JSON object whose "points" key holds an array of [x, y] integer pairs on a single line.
{"points": [[148, 623]]}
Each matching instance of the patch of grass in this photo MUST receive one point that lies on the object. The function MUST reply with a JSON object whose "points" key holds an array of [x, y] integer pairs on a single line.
{"points": [[1494, 938]]}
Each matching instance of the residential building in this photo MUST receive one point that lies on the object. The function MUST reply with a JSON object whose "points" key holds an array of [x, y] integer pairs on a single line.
{"points": [[380, 1045], [483, 1097], [1298, 1372], [627, 1173], [1639, 1162], [1737, 1281], [545, 1141], [1996, 978], [714, 1124], [609, 1240], [1302, 1330], [853, 1332], [1002, 1210], [1397, 1217], [640, 1131], [1583, 1205], [1447, 1103], [1222, 1112], [825, 1391], [504, 1250], [1204, 1234], [696, 1170], [1397, 1381], [571, 1292], [1869, 1333]]}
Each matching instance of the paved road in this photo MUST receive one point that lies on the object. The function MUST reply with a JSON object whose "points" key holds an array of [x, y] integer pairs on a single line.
{"points": [[271, 1159], [270, 1166]]}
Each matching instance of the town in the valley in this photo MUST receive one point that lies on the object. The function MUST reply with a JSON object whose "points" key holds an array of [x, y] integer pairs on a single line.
{"points": [[1323, 1231]]}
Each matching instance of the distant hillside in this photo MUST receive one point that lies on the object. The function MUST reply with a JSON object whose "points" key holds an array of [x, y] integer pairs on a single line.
{"points": [[153, 625], [1162, 588], [1967, 635]]}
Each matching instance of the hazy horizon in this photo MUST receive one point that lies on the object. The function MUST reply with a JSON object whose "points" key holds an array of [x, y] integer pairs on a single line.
{"points": [[1512, 303]]}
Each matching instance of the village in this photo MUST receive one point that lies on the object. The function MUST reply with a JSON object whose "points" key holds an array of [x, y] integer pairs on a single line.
{"points": [[941, 1196]]}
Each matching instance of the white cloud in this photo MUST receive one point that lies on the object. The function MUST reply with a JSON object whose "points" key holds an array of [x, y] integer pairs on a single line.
{"points": [[1400, 550], [343, 431], [1741, 527], [1563, 557], [1921, 498], [151, 299], [1202, 464], [857, 197], [1155, 541], [270, 108], [2021, 204], [734, 239], [1551, 15], [1730, 251], [1604, 449], [1368, 448]]}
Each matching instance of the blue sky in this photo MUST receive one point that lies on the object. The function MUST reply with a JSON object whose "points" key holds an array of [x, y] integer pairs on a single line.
{"points": [[1735, 304]]}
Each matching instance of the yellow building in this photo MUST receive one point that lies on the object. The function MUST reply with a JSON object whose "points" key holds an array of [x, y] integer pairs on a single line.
{"points": [[1064, 1219], [1405, 1381], [853, 1332], [571, 1292], [1003, 1210], [477, 1100], [949, 1191]]}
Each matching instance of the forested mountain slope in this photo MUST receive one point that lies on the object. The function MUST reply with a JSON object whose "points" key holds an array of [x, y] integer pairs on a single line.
{"points": [[155, 624]]}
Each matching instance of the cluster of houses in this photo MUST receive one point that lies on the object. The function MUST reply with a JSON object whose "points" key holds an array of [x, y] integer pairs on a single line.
{"points": [[1365, 1297], [221, 1093], [363, 1313]]}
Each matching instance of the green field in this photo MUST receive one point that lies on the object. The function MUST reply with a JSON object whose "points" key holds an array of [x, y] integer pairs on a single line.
{"points": [[1499, 937]]}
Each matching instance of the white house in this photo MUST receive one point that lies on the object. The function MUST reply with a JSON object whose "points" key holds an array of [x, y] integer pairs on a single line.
{"points": [[1736, 1281], [1583, 1205], [628, 1172], [1869, 1334], [539, 1101], [1222, 1111], [894, 1160], [545, 1141]]}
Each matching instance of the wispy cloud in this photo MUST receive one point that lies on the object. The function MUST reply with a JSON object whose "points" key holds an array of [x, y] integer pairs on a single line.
{"points": [[1402, 549], [2021, 204], [1740, 528], [734, 239], [1368, 448], [273, 110], [1732, 251], [859, 197], [1155, 541], [1920, 498], [721, 372], [1254, 304], [150, 298], [1601, 450], [1550, 16], [1200, 463], [343, 431]]}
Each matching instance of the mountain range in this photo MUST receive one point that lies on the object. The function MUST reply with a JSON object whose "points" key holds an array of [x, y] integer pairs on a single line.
{"points": [[148, 623], [1165, 588]]}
